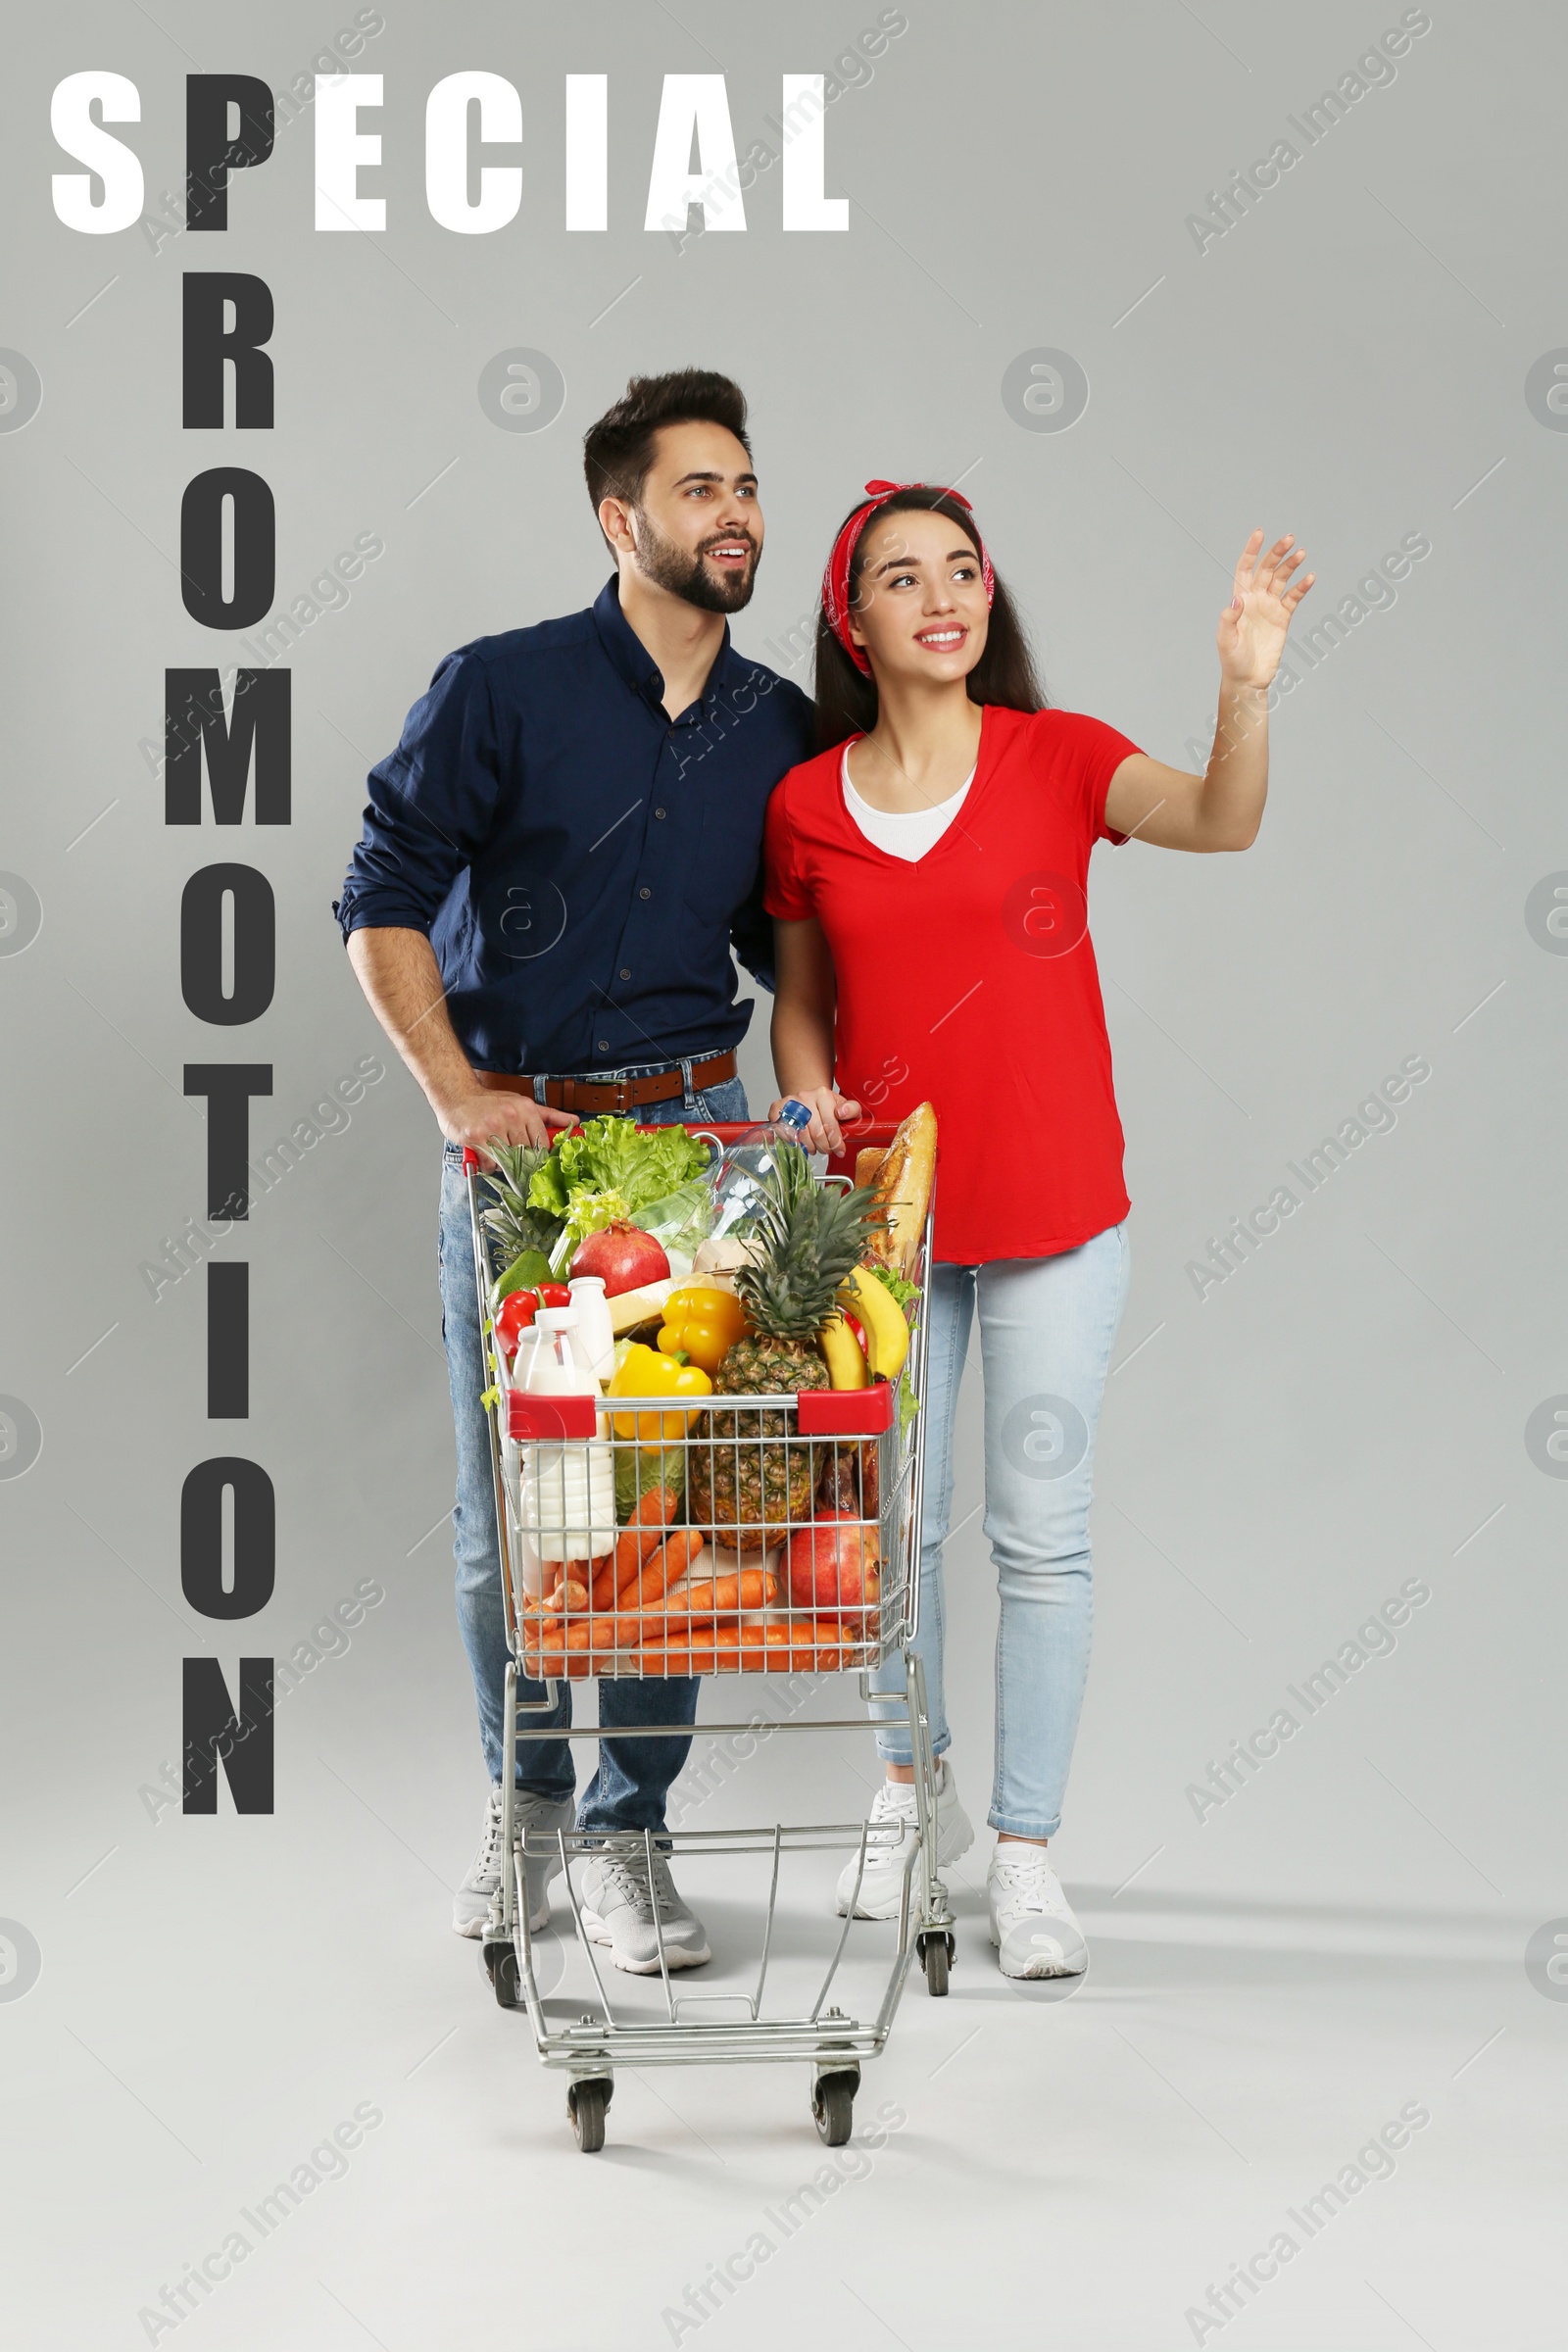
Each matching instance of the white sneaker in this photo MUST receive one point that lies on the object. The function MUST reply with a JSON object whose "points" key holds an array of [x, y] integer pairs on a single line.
{"points": [[637, 1916], [882, 1882], [470, 1904], [1032, 1924]]}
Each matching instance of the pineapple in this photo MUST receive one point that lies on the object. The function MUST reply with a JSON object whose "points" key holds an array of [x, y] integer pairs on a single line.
{"points": [[806, 1240], [509, 1223]]}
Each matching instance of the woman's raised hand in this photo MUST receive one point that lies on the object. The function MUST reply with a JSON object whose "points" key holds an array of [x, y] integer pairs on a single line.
{"points": [[827, 1107], [1251, 628]]}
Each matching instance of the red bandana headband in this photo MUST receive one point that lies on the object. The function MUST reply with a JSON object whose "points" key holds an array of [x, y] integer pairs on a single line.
{"points": [[836, 578]]}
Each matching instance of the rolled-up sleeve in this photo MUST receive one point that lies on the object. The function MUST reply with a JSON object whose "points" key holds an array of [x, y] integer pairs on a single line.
{"points": [[432, 804]]}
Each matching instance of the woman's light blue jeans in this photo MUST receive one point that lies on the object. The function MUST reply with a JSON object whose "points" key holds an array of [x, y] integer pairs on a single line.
{"points": [[630, 1788], [1047, 1329]]}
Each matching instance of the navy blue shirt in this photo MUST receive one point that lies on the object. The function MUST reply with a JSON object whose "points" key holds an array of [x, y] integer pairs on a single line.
{"points": [[580, 862]]}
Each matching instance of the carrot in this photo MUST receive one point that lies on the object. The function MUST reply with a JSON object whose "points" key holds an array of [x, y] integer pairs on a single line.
{"points": [[555, 1666], [662, 1569], [677, 1557], [698, 1607], [602, 1591], [640, 1535], [718, 1650], [816, 1642], [813, 1662], [673, 1664], [606, 1634], [565, 1601], [749, 1588], [631, 1627]]}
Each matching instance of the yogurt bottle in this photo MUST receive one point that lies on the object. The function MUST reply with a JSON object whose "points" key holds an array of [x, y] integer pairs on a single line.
{"points": [[568, 1489], [594, 1335]]}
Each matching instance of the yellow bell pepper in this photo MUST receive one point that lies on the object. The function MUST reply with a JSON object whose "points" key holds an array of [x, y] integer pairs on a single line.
{"points": [[644, 1372], [702, 1324]]}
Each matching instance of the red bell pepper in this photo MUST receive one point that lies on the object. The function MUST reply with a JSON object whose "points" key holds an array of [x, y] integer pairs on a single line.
{"points": [[516, 1314]]}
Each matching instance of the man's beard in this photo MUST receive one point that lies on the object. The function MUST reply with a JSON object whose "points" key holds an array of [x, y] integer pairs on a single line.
{"points": [[685, 575]]}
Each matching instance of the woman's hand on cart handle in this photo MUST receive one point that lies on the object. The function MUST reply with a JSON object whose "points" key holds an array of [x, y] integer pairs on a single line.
{"points": [[827, 1107], [472, 1119]]}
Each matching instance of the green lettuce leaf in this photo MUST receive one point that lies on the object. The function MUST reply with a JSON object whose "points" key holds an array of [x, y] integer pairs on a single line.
{"points": [[909, 1407], [904, 1291], [588, 1211], [607, 1171]]}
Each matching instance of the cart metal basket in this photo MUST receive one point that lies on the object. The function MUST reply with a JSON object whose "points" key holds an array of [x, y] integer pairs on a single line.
{"points": [[743, 1478]]}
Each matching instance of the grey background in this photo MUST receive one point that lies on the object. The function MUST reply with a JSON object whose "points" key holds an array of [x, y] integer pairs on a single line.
{"points": [[1348, 1412]]}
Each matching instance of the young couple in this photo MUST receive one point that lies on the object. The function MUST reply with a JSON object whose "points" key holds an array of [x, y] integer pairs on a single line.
{"points": [[584, 817]]}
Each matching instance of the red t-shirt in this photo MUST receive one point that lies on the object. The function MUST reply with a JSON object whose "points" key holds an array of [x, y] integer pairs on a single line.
{"points": [[967, 978]]}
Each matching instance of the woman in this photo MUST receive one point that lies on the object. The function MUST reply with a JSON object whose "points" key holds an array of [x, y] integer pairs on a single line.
{"points": [[926, 873]]}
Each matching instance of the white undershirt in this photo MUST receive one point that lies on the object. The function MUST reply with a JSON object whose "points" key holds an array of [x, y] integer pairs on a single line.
{"points": [[904, 832]]}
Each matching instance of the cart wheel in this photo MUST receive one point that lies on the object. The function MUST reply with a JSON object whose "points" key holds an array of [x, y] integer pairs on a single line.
{"points": [[936, 1954], [586, 2102], [833, 2105], [501, 1962]]}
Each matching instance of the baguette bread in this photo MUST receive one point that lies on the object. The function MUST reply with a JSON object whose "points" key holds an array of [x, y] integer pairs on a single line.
{"points": [[903, 1190], [867, 1164]]}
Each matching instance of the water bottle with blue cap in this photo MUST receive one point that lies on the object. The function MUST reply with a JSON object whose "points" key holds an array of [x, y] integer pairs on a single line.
{"points": [[739, 1184]]}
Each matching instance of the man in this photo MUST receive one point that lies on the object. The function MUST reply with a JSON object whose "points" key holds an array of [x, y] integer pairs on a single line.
{"points": [[555, 861]]}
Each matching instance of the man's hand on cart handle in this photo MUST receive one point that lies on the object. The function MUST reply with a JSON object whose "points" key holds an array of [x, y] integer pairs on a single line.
{"points": [[472, 1119], [827, 1107]]}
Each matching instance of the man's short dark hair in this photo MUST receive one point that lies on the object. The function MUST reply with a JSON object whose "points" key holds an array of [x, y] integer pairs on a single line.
{"points": [[619, 450]]}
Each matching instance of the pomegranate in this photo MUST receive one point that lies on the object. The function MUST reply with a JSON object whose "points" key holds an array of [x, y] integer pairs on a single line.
{"points": [[626, 1257], [834, 1564]]}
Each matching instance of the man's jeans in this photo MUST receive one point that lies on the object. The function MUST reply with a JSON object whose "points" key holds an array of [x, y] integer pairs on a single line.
{"points": [[1047, 1328], [628, 1790]]}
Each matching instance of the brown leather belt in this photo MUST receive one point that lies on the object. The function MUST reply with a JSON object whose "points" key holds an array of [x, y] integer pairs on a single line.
{"points": [[591, 1097]]}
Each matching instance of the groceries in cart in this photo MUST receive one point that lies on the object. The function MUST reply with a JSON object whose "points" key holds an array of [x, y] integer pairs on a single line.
{"points": [[717, 1470], [692, 1530]]}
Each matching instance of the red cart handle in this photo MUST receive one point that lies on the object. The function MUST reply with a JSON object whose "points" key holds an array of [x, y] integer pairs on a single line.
{"points": [[844, 1412], [820, 1414], [859, 1135]]}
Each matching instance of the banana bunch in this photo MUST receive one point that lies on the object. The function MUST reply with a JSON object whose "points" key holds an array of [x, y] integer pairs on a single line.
{"points": [[887, 1334]]}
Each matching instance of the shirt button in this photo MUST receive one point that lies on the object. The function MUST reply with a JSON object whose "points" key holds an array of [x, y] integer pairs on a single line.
{"points": [[645, 891], [603, 1044], [659, 813], [625, 971]]}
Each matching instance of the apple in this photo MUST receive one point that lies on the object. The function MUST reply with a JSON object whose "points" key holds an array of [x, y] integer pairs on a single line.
{"points": [[834, 1563], [627, 1257]]}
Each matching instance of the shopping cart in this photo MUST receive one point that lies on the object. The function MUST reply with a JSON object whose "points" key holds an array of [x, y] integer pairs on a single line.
{"points": [[750, 1472]]}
